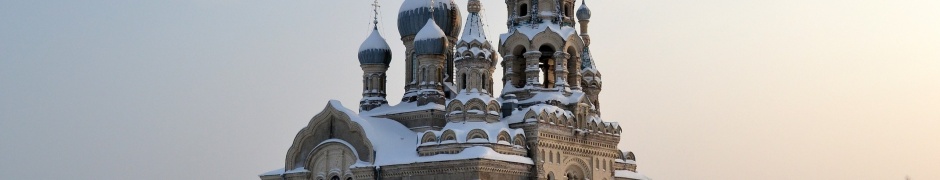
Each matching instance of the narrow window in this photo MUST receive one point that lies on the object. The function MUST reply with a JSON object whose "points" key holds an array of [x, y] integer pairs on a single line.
{"points": [[483, 82], [523, 9], [463, 82]]}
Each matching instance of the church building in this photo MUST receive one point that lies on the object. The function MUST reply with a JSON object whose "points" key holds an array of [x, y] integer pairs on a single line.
{"points": [[450, 124]]}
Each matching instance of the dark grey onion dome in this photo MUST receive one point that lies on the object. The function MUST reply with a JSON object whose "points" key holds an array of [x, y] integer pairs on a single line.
{"points": [[430, 40], [584, 13], [414, 13], [374, 50]]}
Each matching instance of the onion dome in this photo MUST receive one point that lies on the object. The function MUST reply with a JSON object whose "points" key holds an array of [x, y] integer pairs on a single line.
{"points": [[413, 14], [430, 40], [374, 50], [584, 13]]}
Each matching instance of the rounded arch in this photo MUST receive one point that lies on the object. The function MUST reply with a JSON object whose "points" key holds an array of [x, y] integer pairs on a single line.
{"points": [[503, 136], [477, 134], [319, 130], [576, 168], [429, 137], [550, 38], [475, 104], [448, 135], [519, 140], [331, 159]]}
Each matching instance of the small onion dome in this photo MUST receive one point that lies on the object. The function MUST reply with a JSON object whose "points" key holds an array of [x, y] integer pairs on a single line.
{"points": [[584, 13], [413, 13], [430, 40], [374, 50]]}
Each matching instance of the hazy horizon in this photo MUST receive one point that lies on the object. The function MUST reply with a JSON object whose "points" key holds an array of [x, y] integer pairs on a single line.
{"points": [[723, 89]]}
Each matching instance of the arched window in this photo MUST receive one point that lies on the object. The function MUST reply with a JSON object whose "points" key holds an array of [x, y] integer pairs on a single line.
{"points": [[414, 67], [523, 9], [567, 10], [550, 158], [463, 81], [334, 178], [483, 82], [547, 66]]}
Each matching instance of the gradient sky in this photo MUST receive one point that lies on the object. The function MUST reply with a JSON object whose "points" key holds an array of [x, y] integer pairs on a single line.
{"points": [[719, 89]]}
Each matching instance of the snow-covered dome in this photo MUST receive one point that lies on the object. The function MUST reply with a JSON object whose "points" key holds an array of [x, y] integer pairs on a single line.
{"points": [[413, 13], [430, 40], [584, 13], [374, 50]]}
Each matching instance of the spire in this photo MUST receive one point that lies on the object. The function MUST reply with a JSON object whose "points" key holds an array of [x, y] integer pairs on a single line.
{"points": [[374, 50], [374, 58], [375, 17], [473, 30]]}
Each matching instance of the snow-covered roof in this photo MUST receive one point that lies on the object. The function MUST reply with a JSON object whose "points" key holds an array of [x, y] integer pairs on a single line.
{"points": [[374, 41], [518, 116], [531, 30], [409, 5], [402, 107], [430, 31], [396, 144], [374, 50], [474, 29], [587, 60], [630, 174], [584, 13], [413, 13]]}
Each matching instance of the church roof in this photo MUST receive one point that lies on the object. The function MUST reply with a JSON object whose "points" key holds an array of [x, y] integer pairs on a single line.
{"points": [[374, 50], [584, 13], [474, 29], [430, 40], [413, 14]]}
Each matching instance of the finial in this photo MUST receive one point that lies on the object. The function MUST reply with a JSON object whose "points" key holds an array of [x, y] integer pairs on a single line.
{"points": [[432, 9], [375, 18]]}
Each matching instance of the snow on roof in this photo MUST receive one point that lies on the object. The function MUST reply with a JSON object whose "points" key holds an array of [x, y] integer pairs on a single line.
{"points": [[396, 144], [415, 4], [374, 41], [542, 96], [630, 174], [465, 96], [430, 31], [402, 107], [476, 152], [280, 171], [518, 116], [492, 130], [473, 30], [531, 30]]}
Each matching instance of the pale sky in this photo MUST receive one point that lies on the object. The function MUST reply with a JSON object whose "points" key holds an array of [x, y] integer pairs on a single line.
{"points": [[719, 89]]}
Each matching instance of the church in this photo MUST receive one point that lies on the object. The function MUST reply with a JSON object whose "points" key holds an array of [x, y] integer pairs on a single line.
{"points": [[544, 124]]}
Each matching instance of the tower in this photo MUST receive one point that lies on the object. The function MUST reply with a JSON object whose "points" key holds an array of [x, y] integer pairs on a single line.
{"points": [[552, 84], [412, 17], [430, 47], [591, 80], [374, 59], [541, 50], [475, 61]]}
